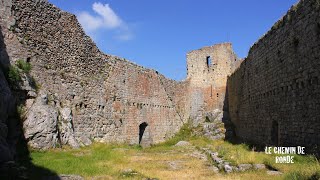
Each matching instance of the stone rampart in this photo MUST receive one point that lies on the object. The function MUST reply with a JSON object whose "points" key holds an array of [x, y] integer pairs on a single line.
{"points": [[274, 97]]}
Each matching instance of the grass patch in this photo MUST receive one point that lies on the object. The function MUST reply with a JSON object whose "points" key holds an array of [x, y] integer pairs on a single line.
{"points": [[98, 159], [15, 71], [24, 66], [304, 167], [111, 161], [14, 74]]}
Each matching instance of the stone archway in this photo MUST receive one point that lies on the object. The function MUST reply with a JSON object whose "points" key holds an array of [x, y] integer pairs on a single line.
{"points": [[144, 135]]}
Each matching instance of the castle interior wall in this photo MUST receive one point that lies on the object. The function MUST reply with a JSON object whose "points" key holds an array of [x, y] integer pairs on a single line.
{"points": [[274, 97]]}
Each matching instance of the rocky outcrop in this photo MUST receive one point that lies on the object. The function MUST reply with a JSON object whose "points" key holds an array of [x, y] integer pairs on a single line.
{"points": [[213, 127], [227, 167], [47, 127], [40, 126], [65, 128]]}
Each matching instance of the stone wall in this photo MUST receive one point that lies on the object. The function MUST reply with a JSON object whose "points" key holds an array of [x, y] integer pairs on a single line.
{"points": [[134, 95], [208, 69], [83, 94], [274, 97], [75, 94]]}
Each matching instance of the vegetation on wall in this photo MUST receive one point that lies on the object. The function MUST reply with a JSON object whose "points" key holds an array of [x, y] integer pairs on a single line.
{"points": [[14, 74], [24, 66], [15, 71]]}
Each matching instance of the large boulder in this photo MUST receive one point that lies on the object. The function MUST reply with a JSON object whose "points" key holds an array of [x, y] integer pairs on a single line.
{"points": [[40, 125], [215, 115], [66, 128]]}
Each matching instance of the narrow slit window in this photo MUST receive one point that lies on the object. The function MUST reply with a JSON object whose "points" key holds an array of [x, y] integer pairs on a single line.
{"points": [[208, 61]]}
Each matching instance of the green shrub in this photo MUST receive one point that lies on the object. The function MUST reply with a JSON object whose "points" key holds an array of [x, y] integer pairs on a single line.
{"points": [[24, 66], [14, 74]]}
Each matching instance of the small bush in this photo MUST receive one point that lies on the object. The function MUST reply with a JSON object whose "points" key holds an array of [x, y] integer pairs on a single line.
{"points": [[24, 66], [14, 74]]}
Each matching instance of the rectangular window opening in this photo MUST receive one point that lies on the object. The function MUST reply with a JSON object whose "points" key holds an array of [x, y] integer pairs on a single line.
{"points": [[208, 61]]}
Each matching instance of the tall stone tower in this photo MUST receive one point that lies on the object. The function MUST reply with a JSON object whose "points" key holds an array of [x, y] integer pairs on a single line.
{"points": [[208, 69]]}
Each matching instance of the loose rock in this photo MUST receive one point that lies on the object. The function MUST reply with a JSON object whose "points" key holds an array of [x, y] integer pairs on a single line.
{"points": [[183, 143], [227, 168]]}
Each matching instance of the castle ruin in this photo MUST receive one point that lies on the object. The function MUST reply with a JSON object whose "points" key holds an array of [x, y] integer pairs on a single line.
{"points": [[75, 94]]}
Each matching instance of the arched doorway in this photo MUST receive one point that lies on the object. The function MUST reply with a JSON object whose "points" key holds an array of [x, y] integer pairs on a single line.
{"points": [[275, 133], [144, 135]]}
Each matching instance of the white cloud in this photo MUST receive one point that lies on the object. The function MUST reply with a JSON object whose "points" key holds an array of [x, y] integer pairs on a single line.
{"points": [[104, 18], [110, 19], [88, 22], [124, 33]]}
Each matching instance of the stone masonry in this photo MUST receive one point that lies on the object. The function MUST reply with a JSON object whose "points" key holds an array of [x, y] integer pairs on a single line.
{"points": [[274, 97], [208, 69], [83, 94], [75, 94]]}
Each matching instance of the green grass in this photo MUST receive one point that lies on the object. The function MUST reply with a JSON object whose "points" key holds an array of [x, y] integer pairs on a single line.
{"points": [[14, 74], [87, 161], [304, 167], [110, 160], [24, 66], [95, 160]]}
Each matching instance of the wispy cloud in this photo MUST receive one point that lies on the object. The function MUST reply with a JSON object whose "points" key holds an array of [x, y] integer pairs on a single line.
{"points": [[104, 18], [89, 22]]}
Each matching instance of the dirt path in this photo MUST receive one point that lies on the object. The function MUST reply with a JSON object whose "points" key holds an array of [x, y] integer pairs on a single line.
{"points": [[179, 163]]}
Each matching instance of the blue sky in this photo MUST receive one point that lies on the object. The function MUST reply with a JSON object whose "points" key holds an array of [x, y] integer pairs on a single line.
{"points": [[158, 34]]}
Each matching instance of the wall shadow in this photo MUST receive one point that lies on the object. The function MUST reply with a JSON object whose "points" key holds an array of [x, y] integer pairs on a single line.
{"points": [[15, 159], [236, 124], [231, 129], [230, 134]]}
